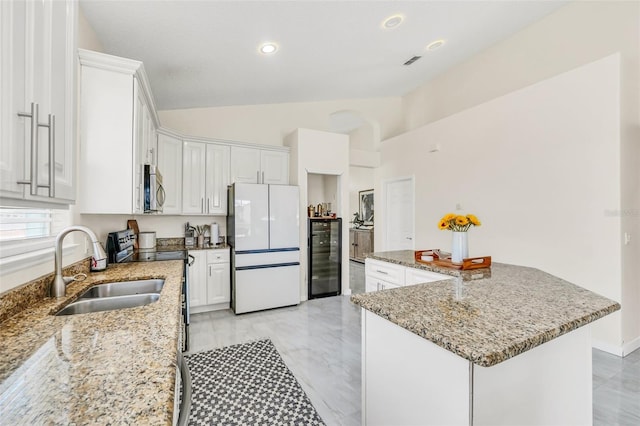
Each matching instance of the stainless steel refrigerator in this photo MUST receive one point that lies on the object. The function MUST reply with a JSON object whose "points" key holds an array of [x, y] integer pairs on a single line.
{"points": [[325, 257]]}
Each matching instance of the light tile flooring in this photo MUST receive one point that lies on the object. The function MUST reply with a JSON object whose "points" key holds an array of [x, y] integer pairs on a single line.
{"points": [[319, 341]]}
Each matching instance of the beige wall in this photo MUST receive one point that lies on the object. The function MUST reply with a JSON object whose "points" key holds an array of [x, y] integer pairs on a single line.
{"points": [[324, 153], [576, 34], [269, 124], [539, 167]]}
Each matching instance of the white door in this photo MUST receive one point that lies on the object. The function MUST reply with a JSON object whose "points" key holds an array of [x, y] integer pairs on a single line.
{"points": [[217, 178], [399, 214], [193, 177], [274, 167], [251, 213], [245, 165], [284, 216], [170, 165]]}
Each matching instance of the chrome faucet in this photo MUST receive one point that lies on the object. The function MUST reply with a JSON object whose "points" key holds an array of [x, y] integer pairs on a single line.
{"points": [[59, 284]]}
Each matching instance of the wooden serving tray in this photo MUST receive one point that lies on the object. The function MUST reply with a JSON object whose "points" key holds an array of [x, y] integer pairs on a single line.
{"points": [[469, 263]]}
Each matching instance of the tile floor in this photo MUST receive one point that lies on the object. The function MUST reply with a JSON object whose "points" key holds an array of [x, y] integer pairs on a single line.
{"points": [[319, 341]]}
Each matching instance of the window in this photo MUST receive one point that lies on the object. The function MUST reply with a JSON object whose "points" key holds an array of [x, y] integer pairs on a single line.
{"points": [[25, 230]]}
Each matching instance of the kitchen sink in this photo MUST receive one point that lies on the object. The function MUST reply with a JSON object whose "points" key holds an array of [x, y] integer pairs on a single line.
{"points": [[85, 306], [123, 288]]}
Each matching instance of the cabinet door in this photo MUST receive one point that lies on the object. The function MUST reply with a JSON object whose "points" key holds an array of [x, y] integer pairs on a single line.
{"points": [[352, 244], [217, 178], [38, 66], [274, 167], [376, 284], [218, 283], [198, 279], [364, 244], [193, 177], [170, 165], [245, 165], [14, 130]]}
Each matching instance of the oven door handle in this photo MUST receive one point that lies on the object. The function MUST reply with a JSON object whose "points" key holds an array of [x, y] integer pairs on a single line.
{"points": [[192, 260]]}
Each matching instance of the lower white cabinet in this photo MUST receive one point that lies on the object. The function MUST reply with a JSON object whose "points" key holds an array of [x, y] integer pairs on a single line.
{"points": [[381, 275], [210, 280]]}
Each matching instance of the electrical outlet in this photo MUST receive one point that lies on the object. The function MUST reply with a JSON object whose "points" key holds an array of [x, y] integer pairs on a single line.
{"points": [[458, 206], [627, 238]]}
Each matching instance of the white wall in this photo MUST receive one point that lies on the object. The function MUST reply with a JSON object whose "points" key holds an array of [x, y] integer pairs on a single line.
{"points": [[539, 167], [318, 152], [269, 124], [574, 35]]}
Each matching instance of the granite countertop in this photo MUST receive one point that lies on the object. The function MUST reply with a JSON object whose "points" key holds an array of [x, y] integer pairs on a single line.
{"points": [[496, 318], [406, 258], [113, 367]]}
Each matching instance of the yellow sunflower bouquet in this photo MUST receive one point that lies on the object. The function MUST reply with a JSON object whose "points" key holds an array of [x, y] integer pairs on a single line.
{"points": [[458, 223]]}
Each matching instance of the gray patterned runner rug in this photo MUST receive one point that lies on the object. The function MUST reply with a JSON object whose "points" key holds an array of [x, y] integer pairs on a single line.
{"points": [[247, 384]]}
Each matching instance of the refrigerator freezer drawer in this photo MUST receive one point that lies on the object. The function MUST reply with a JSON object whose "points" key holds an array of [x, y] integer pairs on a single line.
{"points": [[266, 258], [266, 288]]}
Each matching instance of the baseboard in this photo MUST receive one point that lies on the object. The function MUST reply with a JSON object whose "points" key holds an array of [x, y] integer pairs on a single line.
{"points": [[631, 346], [607, 347]]}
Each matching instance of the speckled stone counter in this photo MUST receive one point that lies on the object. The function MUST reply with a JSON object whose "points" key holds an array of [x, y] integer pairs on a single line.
{"points": [[113, 367], [513, 311], [406, 258]]}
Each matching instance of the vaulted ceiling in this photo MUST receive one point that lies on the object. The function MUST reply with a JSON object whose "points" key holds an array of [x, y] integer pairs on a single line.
{"points": [[206, 53]]}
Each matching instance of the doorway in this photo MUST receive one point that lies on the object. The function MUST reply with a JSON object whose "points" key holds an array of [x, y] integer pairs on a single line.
{"points": [[399, 215]]}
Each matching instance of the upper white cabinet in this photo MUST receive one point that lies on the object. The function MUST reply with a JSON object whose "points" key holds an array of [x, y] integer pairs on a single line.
{"points": [[117, 132], [37, 106], [205, 178], [253, 165], [169, 162]]}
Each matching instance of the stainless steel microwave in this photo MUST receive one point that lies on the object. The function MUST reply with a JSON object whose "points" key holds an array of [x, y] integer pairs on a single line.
{"points": [[154, 194]]}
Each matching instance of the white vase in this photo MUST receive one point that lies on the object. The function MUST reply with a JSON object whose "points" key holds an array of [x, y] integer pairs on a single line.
{"points": [[459, 247]]}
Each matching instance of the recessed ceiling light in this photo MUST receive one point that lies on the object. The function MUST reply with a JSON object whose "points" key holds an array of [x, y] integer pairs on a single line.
{"points": [[392, 21], [435, 44], [268, 48]]}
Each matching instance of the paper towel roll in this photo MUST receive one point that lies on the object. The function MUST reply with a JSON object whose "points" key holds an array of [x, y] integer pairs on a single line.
{"points": [[215, 233]]}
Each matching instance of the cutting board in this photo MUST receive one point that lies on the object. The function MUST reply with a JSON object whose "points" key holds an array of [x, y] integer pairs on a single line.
{"points": [[133, 225]]}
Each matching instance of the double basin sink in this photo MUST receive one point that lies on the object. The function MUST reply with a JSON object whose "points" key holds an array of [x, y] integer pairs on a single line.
{"points": [[115, 295]]}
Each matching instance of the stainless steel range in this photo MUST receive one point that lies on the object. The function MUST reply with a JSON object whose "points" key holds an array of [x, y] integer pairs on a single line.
{"points": [[120, 250]]}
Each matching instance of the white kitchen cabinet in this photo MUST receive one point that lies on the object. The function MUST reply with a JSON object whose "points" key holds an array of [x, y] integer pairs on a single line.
{"points": [[210, 284], [198, 279], [114, 95], [205, 178], [219, 277], [37, 107], [169, 161], [381, 275], [253, 165]]}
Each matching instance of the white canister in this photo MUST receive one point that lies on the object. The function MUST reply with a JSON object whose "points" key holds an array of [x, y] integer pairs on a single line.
{"points": [[146, 240], [215, 233]]}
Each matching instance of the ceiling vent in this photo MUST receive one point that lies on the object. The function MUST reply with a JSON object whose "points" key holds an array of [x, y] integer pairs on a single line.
{"points": [[412, 60]]}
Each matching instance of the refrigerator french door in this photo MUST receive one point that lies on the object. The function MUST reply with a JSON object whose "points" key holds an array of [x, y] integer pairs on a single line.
{"points": [[325, 257], [263, 232]]}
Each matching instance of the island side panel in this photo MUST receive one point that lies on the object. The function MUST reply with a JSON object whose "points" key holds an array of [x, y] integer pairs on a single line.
{"points": [[549, 384], [408, 380]]}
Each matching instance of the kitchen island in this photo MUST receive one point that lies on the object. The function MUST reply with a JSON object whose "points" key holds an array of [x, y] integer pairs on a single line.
{"points": [[511, 348], [112, 367]]}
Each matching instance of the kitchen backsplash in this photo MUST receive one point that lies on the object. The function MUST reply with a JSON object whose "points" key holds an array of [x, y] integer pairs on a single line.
{"points": [[21, 297]]}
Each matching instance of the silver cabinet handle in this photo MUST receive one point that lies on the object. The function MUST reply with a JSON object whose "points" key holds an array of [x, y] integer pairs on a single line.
{"points": [[262, 177], [202, 205], [208, 205], [409, 238], [52, 156], [382, 272], [257, 176], [33, 115]]}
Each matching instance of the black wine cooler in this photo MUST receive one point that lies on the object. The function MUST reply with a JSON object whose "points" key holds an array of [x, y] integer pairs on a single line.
{"points": [[325, 257]]}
